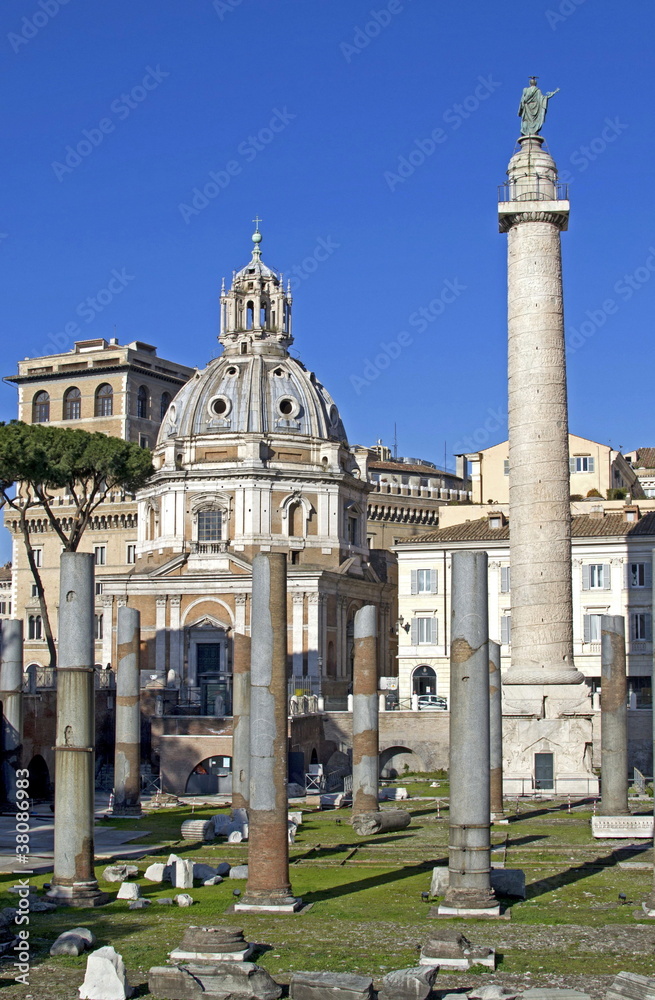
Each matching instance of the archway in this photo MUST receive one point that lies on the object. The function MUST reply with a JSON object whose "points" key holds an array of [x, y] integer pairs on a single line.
{"points": [[39, 778], [211, 776], [424, 680], [397, 759]]}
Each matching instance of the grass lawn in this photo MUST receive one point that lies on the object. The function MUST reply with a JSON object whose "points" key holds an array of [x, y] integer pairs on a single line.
{"points": [[367, 914]]}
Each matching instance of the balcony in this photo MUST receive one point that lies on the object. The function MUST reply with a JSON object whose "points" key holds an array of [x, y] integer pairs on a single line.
{"points": [[532, 189], [209, 548]]}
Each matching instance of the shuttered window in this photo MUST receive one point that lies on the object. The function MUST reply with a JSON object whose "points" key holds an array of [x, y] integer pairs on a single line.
{"points": [[504, 579], [596, 576], [506, 630]]}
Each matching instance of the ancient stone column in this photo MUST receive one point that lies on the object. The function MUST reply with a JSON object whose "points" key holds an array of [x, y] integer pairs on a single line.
{"points": [[469, 890], [614, 718], [241, 721], [365, 712], [127, 759], [74, 882], [495, 732], [11, 696], [268, 886], [539, 504]]}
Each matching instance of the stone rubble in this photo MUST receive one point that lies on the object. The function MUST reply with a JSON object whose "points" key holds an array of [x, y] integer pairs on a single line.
{"points": [[105, 977], [73, 942], [119, 873], [330, 986], [409, 984], [129, 890]]}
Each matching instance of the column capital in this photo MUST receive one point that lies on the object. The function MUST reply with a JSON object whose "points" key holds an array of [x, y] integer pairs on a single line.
{"points": [[298, 598], [240, 600], [161, 602], [175, 601]]}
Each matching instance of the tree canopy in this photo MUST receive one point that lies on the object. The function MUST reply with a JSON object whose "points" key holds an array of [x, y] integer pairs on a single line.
{"points": [[39, 458]]}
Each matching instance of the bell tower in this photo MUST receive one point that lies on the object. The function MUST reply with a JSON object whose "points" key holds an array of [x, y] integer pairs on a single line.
{"points": [[256, 312]]}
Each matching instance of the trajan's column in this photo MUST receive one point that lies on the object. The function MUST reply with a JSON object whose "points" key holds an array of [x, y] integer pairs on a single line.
{"points": [[548, 730]]}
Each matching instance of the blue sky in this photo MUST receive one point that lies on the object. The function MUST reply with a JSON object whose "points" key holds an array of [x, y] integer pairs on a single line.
{"points": [[308, 113]]}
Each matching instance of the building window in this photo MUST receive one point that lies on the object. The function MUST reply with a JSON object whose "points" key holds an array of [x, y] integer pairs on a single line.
{"points": [[100, 555], [104, 406], [210, 525], [142, 402], [34, 627], [98, 626], [596, 576], [424, 630], [98, 589], [34, 592], [504, 580], [130, 555], [591, 628], [581, 463], [506, 630], [72, 404], [165, 402], [41, 408], [506, 467], [38, 557], [639, 575], [641, 629], [143, 441], [424, 581]]}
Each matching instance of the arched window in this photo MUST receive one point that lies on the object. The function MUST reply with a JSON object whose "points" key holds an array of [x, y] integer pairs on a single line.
{"points": [[165, 403], [41, 408], [424, 680], [250, 312], [142, 402], [34, 627], [72, 403], [263, 309], [104, 401]]}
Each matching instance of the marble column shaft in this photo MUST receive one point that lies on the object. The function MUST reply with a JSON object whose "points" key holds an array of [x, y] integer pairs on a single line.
{"points": [[127, 758], [11, 695], [365, 712], [74, 882], [268, 884], [241, 721], [469, 889], [614, 717], [495, 731]]}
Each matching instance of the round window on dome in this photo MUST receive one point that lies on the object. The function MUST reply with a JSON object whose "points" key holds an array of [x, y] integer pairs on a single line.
{"points": [[288, 406], [232, 371], [220, 406], [334, 416]]}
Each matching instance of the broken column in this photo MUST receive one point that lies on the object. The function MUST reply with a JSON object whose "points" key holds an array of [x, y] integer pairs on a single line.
{"points": [[469, 890], [495, 732], [614, 718], [127, 759], [268, 885], [74, 882], [11, 695], [365, 712], [241, 721]]}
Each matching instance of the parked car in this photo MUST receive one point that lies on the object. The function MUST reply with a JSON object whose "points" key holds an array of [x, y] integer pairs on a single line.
{"points": [[432, 703]]}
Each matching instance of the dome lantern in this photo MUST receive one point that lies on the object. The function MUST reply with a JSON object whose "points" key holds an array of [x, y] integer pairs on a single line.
{"points": [[256, 312]]}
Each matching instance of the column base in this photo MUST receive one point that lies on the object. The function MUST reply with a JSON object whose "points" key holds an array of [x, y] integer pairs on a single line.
{"points": [[263, 902], [127, 812], [80, 894], [463, 902], [622, 827]]}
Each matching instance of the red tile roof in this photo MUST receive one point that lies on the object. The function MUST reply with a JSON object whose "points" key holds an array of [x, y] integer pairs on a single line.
{"points": [[582, 526]]}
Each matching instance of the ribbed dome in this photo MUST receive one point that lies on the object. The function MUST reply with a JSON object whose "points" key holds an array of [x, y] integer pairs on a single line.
{"points": [[256, 394]]}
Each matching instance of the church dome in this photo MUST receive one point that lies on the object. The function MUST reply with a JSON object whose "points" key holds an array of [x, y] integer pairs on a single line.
{"points": [[255, 386], [253, 394]]}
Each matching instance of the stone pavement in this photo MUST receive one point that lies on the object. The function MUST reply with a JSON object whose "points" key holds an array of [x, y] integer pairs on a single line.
{"points": [[110, 842]]}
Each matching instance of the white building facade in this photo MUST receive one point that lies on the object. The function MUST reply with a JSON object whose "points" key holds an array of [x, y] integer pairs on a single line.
{"points": [[611, 563]]}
